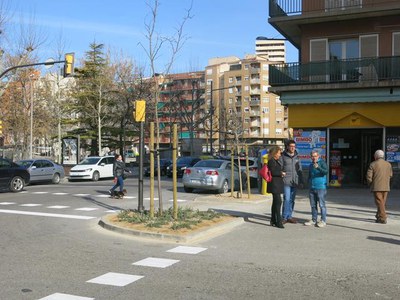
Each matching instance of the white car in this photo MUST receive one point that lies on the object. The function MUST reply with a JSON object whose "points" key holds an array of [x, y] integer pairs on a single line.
{"points": [[93, 168]]}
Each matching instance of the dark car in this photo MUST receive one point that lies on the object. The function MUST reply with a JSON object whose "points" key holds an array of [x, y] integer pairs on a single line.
{"points": [[12, 176], [181, 164], [164, 163], [43, 170]]}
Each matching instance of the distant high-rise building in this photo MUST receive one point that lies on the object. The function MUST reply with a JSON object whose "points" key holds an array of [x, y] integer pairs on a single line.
{"points": [[273, 49]]}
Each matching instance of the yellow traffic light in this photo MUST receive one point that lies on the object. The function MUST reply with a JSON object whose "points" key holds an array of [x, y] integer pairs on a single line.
{"points": [[69, 64], [140, 110]]}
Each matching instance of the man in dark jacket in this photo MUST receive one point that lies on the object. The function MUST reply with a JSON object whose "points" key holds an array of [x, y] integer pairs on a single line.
{"points": [[118, 170], [292, 179]]}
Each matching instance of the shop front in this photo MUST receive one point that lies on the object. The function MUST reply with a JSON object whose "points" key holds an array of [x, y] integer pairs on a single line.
{"points": [[347, 136]]}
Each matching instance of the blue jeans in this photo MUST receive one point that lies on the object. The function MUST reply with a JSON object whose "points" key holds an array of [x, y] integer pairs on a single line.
{"points": [[318, 196], [289, 194], [119, 183]]}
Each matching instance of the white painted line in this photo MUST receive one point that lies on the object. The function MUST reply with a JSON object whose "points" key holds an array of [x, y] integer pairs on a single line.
{"points": [[59, 296], [58, 206], [129, 197], [31, 204], [116, 279], [31, 213], [112, 211], [148, 199], [187, 250], [40, 193], [178, 200], [102, 196], [7, 203], [87, 208], [24, 192], [81, 195], [155, 262], [60, 194]]}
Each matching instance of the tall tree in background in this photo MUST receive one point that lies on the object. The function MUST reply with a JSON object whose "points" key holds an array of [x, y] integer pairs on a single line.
{"points": [[94, 95]]}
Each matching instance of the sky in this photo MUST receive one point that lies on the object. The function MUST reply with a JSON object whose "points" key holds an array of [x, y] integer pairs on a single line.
{"points": [[217, 28]]}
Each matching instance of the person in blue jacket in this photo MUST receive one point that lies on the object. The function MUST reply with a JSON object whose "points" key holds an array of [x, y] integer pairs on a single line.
{"points": [[317, 182]]}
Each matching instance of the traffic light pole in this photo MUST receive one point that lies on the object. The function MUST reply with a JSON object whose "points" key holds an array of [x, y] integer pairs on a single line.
{"points": [[31, 65]]}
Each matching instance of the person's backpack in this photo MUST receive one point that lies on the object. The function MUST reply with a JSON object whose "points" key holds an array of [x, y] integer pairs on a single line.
{"points": [[265, 173]]}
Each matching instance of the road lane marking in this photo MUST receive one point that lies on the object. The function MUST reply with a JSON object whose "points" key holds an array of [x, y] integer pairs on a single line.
{"points": [[7, 203], [40, 193], [115, 279], [31, 213], [31, 204], [58, 206], [81, 195], [178, 200], [60, 194], [155, 262], [86, 208], [187, 250], [60, 296]]}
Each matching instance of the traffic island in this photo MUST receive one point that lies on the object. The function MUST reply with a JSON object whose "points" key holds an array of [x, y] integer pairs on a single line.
{"points": [[204, 230]]}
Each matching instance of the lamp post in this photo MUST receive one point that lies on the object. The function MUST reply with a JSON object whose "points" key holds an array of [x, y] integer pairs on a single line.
{"points": [[31, 117]]}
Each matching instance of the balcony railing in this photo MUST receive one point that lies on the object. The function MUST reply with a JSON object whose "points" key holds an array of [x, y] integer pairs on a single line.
{"points": [[280, 8], [336, 71]]}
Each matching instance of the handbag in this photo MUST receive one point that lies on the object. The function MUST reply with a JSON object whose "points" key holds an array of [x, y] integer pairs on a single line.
{"points": [[265, 173]]}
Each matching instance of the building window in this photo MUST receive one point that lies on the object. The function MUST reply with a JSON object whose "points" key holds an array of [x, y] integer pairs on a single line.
{"points": [[396, 44], [265, 99], [230, 90], [246, 67], [230, 100], [265, 120], [265, 131], [278, 131], [209, 71], [265, 77], [246, 99], [209, 81], [278, 100], [246, 120], [278, 121], [278, 110], [246, 109], [265, 88], [265, 110], [265, 67], [246, 88], [230, 80], [246, 78]]}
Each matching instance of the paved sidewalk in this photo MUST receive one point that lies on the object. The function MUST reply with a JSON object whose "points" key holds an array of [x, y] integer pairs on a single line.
{"points": [[350, 207]]}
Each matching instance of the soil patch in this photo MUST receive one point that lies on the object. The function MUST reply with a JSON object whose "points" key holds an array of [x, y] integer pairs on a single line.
{"points": [[165, 229]]}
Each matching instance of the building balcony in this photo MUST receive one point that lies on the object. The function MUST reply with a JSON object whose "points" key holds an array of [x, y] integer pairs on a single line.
{"points": [[255, 81], [356, 72], [255, 92], [255, 102], [288, 16], [238, 103]]}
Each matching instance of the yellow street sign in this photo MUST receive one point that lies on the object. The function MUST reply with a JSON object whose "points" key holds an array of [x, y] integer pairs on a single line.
{"points": [[140, 110]]}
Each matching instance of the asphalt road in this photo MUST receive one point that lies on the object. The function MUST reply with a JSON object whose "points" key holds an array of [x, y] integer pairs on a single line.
{"points": [[52, 248]]}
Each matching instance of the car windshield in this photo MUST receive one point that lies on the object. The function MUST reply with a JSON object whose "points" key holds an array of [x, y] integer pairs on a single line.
{"points": [[25, 163], [90, 161], [216, 164], [243, 162]]}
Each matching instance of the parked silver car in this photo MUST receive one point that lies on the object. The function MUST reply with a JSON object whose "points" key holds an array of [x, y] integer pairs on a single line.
{"points": [[211, 174], [43, 170]]}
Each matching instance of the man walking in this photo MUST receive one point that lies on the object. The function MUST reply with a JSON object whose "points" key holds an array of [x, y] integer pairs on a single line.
{"points": [[292, 179], [317, 182], [378, 178]]}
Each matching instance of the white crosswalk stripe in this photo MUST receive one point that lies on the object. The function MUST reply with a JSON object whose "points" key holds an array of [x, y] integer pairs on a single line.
{"points": [[115, 279], [156, 262], [60, 296]]}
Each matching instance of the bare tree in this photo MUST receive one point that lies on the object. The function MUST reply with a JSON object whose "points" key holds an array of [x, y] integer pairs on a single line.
{"points": [[157, 43]]}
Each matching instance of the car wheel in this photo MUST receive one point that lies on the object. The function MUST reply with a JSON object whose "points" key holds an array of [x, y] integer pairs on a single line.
{"points": [[56, 178], [17, 184], [187, 189], [224, 188], [95, 176]]}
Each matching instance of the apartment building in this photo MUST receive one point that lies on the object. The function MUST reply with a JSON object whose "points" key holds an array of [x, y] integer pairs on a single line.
{"points": [[181, 102], [273, 49], [238, 97], [344, 94]]}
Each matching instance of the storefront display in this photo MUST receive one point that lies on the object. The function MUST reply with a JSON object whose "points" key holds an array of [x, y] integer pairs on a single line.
{"points": [[308, 140]]}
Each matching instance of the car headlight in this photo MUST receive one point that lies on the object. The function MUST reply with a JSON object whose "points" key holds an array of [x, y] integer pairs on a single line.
{"points": [[88, 170], [183, 168]]}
